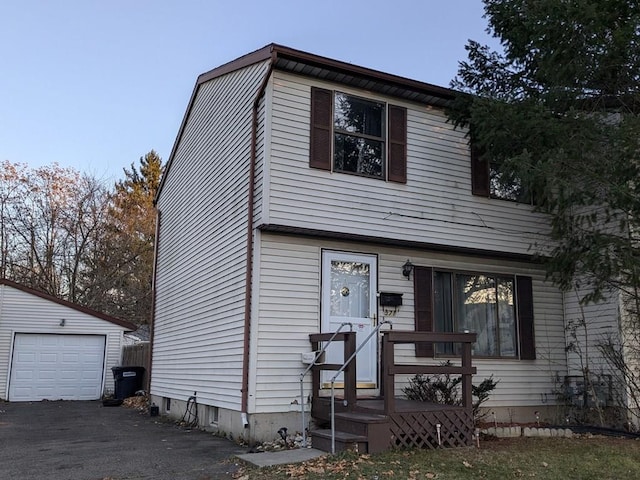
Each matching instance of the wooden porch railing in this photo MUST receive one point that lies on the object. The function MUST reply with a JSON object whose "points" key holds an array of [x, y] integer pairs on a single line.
{"points": [[349, 344], [391, 368]]}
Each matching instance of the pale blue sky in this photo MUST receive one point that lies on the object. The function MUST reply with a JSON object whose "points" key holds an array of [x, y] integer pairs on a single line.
{"points": [[95, 84]]}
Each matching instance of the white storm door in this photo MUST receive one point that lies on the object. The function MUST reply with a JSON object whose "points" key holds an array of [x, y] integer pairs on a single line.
{"points": [[349, 286]]}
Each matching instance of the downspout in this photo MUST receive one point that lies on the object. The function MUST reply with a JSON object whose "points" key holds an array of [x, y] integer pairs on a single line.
{"points": [[249, 272], [153, 301]]}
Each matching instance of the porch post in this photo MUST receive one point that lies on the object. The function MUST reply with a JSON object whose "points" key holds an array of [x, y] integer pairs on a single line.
{"points": [[388, 375], [315, 377], [467, 400], [350, 372]]}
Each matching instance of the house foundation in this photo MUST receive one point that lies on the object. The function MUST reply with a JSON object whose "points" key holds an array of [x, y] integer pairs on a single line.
{"points": [[259, 427]]}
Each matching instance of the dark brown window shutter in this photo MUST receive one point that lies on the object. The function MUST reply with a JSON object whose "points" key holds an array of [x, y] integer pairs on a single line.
{"points": [[423, 306], [397, 144], [479, 173], [321, 139], [524, 298]]}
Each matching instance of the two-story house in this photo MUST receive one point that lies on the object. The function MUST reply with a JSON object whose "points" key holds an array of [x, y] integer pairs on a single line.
{"points": [[299, 188]]}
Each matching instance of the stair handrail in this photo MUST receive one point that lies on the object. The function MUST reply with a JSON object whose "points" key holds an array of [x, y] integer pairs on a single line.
{"points": [[338, 372], [311, 365]]}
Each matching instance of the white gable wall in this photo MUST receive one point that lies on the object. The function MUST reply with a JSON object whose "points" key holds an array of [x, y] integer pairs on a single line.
{"points": [[201, 259], [289, 310], [22, 312]]}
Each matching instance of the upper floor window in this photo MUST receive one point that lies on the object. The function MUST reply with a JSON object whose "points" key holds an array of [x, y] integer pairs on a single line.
{"points": [[498, 308], [488, 180], [360, 136], [506, 187]]}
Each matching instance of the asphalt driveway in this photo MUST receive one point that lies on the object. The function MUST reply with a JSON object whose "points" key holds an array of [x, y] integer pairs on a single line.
{"points": [[86, 441]]}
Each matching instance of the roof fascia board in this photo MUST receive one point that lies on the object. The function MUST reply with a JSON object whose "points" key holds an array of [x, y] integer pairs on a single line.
{"points": [[275, 51], [237, 64], [355, 70]]}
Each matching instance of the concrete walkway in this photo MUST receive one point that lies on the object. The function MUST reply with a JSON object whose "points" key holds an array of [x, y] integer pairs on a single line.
{"points": [[269, 459]]}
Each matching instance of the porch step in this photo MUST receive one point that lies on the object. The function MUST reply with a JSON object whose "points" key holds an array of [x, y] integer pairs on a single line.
{"points": [[359, 423], [362, 432], [344, 441], [321, 408]]}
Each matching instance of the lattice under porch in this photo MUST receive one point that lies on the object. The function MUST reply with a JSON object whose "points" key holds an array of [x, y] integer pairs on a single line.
{"points": [[415, 424]]}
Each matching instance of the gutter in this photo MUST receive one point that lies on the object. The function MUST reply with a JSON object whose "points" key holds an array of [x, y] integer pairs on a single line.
{"points": [[249, 272]]}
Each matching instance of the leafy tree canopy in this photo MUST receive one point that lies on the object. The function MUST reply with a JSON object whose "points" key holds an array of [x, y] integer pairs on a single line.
{"points": [[71, 236], [558, 109]]}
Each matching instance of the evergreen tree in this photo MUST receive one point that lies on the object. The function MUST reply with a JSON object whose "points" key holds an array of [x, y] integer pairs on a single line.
{"points": [[124, 260], [557, 110]]}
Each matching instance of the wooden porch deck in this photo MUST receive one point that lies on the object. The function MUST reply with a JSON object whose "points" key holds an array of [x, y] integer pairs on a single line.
{"points": [[376, 405], [378, 424]]}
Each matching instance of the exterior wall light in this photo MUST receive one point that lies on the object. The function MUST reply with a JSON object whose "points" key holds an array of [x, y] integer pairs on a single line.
{"points": [[407, 268]]}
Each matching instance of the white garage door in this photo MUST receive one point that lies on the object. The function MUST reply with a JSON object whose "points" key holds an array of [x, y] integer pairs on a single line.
{"points": [[56, 367]]}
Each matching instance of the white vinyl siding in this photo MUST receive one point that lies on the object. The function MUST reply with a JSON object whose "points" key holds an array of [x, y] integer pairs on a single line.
{"points": [[289, 310], [601, 320], [22, 312], [434, 206], [261, 181], [201, 262]]}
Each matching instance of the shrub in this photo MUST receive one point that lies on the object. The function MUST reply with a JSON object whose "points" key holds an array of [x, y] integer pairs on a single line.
{"points": [[445, 390]]}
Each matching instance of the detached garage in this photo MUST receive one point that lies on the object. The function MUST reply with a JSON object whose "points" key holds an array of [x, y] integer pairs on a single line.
{"points": [[51, 349]]}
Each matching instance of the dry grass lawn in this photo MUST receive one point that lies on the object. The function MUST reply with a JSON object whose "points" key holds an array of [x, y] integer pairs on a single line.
{"points": [[583, 458]]}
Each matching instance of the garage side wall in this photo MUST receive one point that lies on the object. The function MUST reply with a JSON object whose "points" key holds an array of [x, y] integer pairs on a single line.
{"points": [[22, 312]]}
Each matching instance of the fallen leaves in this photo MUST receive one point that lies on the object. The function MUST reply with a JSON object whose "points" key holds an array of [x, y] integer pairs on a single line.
{"points": [[140, 403], [520, 458], [316, 469]]}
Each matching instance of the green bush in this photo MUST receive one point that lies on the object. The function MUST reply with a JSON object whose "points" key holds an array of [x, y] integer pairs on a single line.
{"points": [[445, 390]]}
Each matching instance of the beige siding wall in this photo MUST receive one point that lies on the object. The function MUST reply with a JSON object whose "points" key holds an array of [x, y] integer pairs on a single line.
{"points": [[289, 310], [434, 206], [21, 312], [198, 332], [630, 331], [601, 320], [262, 149]]}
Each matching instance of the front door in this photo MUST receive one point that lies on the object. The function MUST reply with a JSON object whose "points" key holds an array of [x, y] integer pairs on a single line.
{"points": [[349, 295]]}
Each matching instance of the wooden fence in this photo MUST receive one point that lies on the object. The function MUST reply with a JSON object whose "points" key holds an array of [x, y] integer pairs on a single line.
{"points": [[137, 355]]}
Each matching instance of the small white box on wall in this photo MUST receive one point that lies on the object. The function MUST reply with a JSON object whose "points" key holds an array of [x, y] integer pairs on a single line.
{"points": [[308, 357]]}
